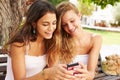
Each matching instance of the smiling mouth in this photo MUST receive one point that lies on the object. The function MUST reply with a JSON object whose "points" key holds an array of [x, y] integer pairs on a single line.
{"points": [[49, 33], [72, 30]]}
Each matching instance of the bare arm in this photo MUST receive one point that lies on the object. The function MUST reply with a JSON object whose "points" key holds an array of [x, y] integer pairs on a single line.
{"points": [[94, 53], [19, 69], [17, 55], [88, 73]]}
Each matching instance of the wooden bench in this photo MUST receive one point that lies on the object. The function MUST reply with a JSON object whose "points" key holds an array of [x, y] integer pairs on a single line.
{"points": [[99, 76], [3, 63]]}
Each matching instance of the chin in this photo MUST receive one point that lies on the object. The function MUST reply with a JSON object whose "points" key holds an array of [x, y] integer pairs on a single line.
{"points": [[48, 37]]}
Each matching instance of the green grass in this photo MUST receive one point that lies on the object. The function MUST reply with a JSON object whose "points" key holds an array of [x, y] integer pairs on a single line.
{"points": [[109, 38]]}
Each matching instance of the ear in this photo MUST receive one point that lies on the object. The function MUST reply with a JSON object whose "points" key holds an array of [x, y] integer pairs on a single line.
{"points": [[34, 24]]}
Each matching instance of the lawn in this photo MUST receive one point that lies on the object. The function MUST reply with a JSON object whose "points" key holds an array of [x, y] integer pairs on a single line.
{"points": [[109, 38]]}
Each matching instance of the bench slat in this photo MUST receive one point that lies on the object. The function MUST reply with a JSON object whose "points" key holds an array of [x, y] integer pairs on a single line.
{"points": [[108, 78], [3, 66], [3, 59], [2, 77]]}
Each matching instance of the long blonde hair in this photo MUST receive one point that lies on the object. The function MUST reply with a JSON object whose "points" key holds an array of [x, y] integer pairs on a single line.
{"points": [[68, 50], [53, 48]]}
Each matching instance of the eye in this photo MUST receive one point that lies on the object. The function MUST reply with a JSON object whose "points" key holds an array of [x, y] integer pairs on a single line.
{"points": [[45, 24], [72, 21], [55, 22], [64, 25]]}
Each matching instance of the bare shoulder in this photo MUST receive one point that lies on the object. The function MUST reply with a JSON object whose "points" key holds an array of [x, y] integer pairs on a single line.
{"points": [[17, 48], [96, 37], [17, 45]]}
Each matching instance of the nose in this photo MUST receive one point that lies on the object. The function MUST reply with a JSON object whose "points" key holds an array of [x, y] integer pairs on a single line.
{"points": [[51, 27], [69, 26]]}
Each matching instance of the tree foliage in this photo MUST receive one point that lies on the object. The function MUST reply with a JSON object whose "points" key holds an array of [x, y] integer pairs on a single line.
{"points": [[85, 8], [55, 2], [102, 3]]}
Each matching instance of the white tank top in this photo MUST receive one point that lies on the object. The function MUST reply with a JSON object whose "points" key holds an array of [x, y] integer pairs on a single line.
{"points": [[81, 58], [34, 65]]}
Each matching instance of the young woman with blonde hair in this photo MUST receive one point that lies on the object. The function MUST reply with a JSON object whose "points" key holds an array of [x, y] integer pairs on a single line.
{"points": [[77, 44]]}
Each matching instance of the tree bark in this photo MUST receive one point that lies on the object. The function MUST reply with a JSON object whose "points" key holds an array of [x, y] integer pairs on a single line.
{"points": [[11, 13]]}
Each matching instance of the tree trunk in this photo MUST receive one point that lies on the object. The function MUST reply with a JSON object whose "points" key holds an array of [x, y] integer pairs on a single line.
{"points": [[11, 13]]}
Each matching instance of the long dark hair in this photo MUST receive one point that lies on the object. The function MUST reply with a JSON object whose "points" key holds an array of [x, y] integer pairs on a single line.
{"points": [[37, 10], [26, 34]]}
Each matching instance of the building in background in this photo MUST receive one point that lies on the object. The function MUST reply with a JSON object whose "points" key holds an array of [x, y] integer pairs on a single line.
{"points": [[100, 17]]}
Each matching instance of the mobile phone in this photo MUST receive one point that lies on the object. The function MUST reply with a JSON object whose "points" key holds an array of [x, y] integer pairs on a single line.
{"points": [[72, 65]]}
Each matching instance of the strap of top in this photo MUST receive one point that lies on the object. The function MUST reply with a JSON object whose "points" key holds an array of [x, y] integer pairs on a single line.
{"points": [[27, 49]]}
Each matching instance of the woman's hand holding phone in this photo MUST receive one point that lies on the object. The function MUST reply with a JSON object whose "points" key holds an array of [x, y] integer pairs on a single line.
{"points": [[72, 67]]}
